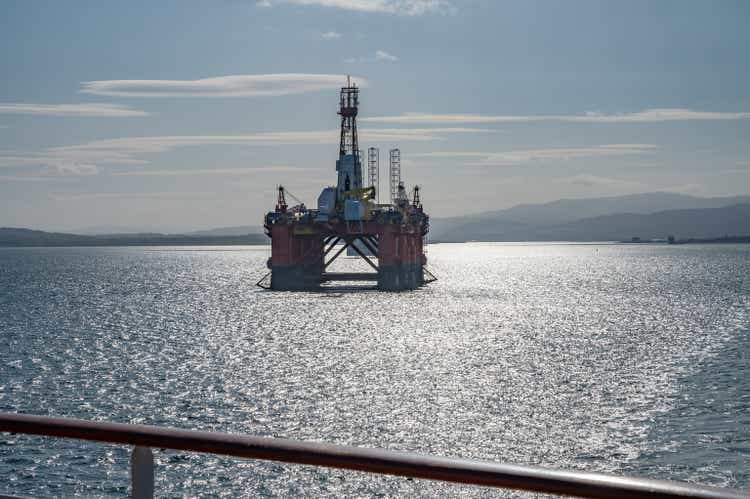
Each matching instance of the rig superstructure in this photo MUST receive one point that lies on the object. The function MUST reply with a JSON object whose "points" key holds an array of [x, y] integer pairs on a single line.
{"points": [[389, 237]]}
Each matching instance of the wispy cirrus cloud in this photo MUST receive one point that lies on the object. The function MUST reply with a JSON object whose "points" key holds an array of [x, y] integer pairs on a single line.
{"points": [[81, 158], [382, 55], [416, 134], [515, 158], [257, 85], [165, 143], [598, 181], [379, 56], [330, 35], [646, 116], [132, 195], [77, 110], [189, 172], [55, 156], [49, 168], [395, 7], [70, 168], [27, 178]]}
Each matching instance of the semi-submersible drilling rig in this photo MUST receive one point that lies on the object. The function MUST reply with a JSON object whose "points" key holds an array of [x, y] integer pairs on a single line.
{"points": [[303, 240]]}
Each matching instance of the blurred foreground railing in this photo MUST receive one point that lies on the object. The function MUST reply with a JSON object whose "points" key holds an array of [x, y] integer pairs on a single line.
{"points": [[465, 471]]}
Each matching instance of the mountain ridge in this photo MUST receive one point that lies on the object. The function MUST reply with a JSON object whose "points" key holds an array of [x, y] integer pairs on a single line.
{"points": [[694, 218], [13, 236], [528, 221], [695, 223]]}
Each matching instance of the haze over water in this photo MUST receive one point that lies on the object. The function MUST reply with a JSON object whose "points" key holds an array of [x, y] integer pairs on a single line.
{"points": [[630, 359]]}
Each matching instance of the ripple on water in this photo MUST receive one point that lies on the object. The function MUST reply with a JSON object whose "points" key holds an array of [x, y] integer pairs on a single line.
{"points": [[629, 359]]}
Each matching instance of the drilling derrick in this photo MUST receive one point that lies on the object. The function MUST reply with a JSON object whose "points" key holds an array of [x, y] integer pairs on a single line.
{"points": [[348, 165], [373, 170], [394, 171], [388, 237]]}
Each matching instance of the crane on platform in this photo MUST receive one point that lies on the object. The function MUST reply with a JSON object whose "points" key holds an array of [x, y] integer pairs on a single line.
{"points": [[281, 205], [283, 191]]}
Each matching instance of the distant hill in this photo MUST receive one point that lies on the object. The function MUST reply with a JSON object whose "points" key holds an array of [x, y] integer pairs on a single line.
{"points": [[583, 220], [28, 237], [683, 224], [241, 230], [511, 220], [651, 215], [569, 210]]}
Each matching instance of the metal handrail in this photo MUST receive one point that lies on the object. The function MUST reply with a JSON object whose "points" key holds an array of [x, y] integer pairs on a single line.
{"points": [[534, 479]]}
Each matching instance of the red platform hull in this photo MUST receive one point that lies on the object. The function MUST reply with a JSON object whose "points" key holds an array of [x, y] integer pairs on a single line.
{"points": [[299, 250]]}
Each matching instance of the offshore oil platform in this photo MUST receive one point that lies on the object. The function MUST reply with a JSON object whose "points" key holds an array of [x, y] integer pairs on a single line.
{"points": [[389, 237]]}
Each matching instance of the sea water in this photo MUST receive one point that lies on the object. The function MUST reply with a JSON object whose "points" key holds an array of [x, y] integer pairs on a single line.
{"points": [[629, 359]]}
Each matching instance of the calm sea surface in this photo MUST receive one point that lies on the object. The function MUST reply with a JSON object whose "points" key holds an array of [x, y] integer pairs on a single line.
{"points": [[615, 358]]}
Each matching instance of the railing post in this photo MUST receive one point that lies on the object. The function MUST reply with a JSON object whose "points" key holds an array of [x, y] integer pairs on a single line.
{"points": [[142, 473]]}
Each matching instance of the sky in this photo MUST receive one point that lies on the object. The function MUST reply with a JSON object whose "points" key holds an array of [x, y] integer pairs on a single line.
{"points": [[184, 115]]}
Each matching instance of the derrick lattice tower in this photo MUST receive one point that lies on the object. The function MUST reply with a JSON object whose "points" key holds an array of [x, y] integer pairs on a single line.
{"points": [[395, 173], [373, 169], [348, 165]]}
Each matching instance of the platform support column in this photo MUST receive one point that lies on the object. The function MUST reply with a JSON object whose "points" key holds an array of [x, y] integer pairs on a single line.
{"points": [[296, 260]]}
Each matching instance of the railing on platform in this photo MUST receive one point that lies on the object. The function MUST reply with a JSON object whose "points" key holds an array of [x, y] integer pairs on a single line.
{"points": [[473, 472]]}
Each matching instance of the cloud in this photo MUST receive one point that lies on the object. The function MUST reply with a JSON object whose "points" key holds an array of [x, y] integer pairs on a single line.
{"points": [[132, 145], [330, 35], [206, 171], [597, 181], [382, 55], [514, 158], [395, 7], [70, 168], [221, 86], [415, 134], [647, 116], [124, 148], [25, 178], [132, 195], [68, 154], [694, 189], [654, 115], [79, 110], [453, 154], [128, 150], [52, 168]]}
